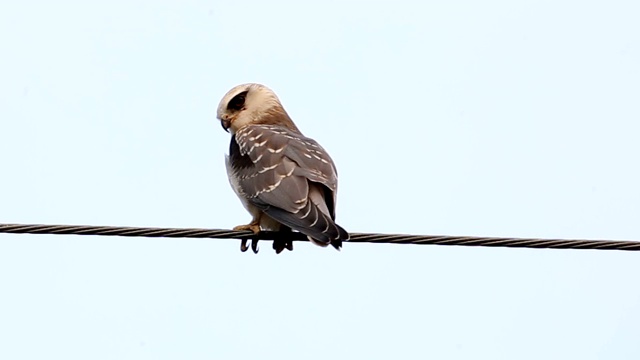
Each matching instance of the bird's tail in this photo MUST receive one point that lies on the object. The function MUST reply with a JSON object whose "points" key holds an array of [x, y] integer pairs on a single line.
{"points": [[325, 231], [343, 235], [318, 226]]}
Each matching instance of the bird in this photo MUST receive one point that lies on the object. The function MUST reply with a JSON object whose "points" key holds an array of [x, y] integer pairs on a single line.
{"points": [[285, 180]]}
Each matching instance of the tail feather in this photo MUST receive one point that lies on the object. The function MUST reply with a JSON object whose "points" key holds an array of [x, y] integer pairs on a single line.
{"points": [[342, 235], [319, 227]]}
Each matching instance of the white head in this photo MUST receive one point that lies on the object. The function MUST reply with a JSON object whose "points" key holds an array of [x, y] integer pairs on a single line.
{"points": [[251, 104]]}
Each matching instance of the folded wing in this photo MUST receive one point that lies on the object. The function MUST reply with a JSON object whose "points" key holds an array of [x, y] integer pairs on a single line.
{"points": [[290, 178]]}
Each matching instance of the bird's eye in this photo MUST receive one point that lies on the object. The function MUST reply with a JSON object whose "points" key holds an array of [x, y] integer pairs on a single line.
{"points": [[237, 102]]}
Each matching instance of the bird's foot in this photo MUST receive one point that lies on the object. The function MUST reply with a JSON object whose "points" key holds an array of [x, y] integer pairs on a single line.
{"points": [[255, 228], [254, 245], [279, 245]]}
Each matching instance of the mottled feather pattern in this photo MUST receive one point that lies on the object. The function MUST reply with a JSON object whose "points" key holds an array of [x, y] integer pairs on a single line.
{"points": [[277, 169]]}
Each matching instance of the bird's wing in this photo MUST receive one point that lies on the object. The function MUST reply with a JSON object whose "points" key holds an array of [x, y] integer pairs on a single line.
{"points": [[289, 177]]}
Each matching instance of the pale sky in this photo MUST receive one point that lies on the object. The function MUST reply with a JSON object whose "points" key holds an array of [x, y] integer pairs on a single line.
{"points": [[493, 118]]}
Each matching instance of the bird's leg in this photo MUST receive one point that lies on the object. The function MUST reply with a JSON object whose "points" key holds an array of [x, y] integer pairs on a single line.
{"points": [[253, 226]]}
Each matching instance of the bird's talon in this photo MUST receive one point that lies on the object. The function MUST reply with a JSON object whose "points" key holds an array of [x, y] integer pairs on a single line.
{"points": [[255, 229], [243, 245], [280, 245]]}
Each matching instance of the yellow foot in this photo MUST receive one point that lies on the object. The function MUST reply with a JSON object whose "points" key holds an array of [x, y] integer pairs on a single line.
{"points": [[255, 228], [249, 227]]}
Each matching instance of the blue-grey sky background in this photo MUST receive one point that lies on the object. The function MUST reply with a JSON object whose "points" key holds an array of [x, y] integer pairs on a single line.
{"points": [[492, 118]]}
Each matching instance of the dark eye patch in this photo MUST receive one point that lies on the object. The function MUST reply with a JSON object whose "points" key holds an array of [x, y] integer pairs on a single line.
{"points": [[237, 103]]}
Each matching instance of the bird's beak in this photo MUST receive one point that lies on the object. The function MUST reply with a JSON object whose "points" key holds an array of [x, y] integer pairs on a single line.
{"points": [[225, 124]]}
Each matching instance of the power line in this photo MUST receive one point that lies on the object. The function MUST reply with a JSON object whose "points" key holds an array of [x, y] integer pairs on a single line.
{"points": [[294, 236]]}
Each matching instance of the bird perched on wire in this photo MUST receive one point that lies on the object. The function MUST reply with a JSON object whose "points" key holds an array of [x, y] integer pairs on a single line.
{"points": [[284, 179]]}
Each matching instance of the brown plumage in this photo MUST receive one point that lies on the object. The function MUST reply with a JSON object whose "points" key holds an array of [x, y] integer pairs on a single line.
{"points": [[284, 179]]}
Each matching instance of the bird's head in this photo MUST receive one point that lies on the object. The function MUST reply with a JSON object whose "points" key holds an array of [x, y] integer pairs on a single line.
{"points": [[251, 104]]}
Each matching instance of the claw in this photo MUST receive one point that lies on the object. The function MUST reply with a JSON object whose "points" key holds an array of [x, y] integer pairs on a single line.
{"points": [[254, 228], [280, 245], [243, 245], [277, 246]]}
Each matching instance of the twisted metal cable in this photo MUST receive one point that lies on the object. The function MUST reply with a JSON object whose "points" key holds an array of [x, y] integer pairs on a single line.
{"points": [[355, 237]]}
